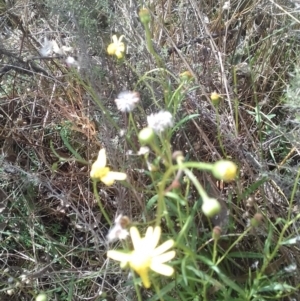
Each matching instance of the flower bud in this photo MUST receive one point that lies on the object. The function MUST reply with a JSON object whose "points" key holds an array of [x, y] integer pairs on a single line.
{"points": [[215, 98], [216, 233], [186, 75], [178, 156], [41, 297], [146, 135], [210, 207], [144, 15], [256, 220], [225, 170]]}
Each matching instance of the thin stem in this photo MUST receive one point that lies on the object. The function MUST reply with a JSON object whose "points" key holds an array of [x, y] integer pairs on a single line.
{"points": [[96, 194]]}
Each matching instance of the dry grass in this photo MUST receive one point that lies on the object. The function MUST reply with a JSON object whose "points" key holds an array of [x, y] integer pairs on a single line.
{"points": [[51, 227]]}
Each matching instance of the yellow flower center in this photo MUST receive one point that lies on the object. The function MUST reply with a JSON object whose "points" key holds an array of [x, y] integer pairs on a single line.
{"points": [[111, 49], [101, 172], [140, 262]]}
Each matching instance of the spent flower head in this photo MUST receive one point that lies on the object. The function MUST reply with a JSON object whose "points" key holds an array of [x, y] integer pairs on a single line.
{"points": [[160, 121], [117, 47], [127, 101], [100, 171], [146, 255], [119, 231]]}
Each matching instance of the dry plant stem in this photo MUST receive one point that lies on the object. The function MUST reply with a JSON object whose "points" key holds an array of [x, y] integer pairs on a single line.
{"points": [[286, 12], [96, 194], [62, 159], [236, 101], [100, 105], [219, 133]]}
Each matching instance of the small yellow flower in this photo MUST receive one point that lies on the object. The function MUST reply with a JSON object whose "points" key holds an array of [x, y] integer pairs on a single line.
{"points": [[186, 75], [117, 47], [225, 170], [215, 98], [101, 172], [146, 255]]}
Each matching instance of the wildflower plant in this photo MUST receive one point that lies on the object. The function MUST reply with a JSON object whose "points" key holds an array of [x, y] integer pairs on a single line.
{"points": [[175, 195], [176, 211], [146, 255], [117, 47], [100, 171]]}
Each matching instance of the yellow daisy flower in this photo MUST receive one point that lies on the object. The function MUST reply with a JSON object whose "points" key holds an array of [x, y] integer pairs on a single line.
{"points": [[117, 47], [146, 255], [100, 171]]}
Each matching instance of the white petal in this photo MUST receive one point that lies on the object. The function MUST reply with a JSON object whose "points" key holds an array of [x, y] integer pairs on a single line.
{"points": [[115, 39], [149, 232], [163, 247], [156, 236], [164, 257], [119, 176], [101, 160], [119, 256], [107, 180], [135, 237], [162, 269]]}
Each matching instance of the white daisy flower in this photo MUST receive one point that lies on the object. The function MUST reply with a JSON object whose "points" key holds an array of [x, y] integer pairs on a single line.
{"points": [[127, 101], [160, 121]]}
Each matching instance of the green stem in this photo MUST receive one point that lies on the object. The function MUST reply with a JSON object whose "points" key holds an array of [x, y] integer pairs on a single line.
{"points": [[96, 194], [150, 46]]}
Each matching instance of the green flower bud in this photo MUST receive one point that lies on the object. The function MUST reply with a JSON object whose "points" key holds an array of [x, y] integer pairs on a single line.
{"points": [[186, 75], [225, 170], [41, 297], [210, 207], [256, 220], [144, 15], [146, 135], [215, 98], [216, 233]]}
